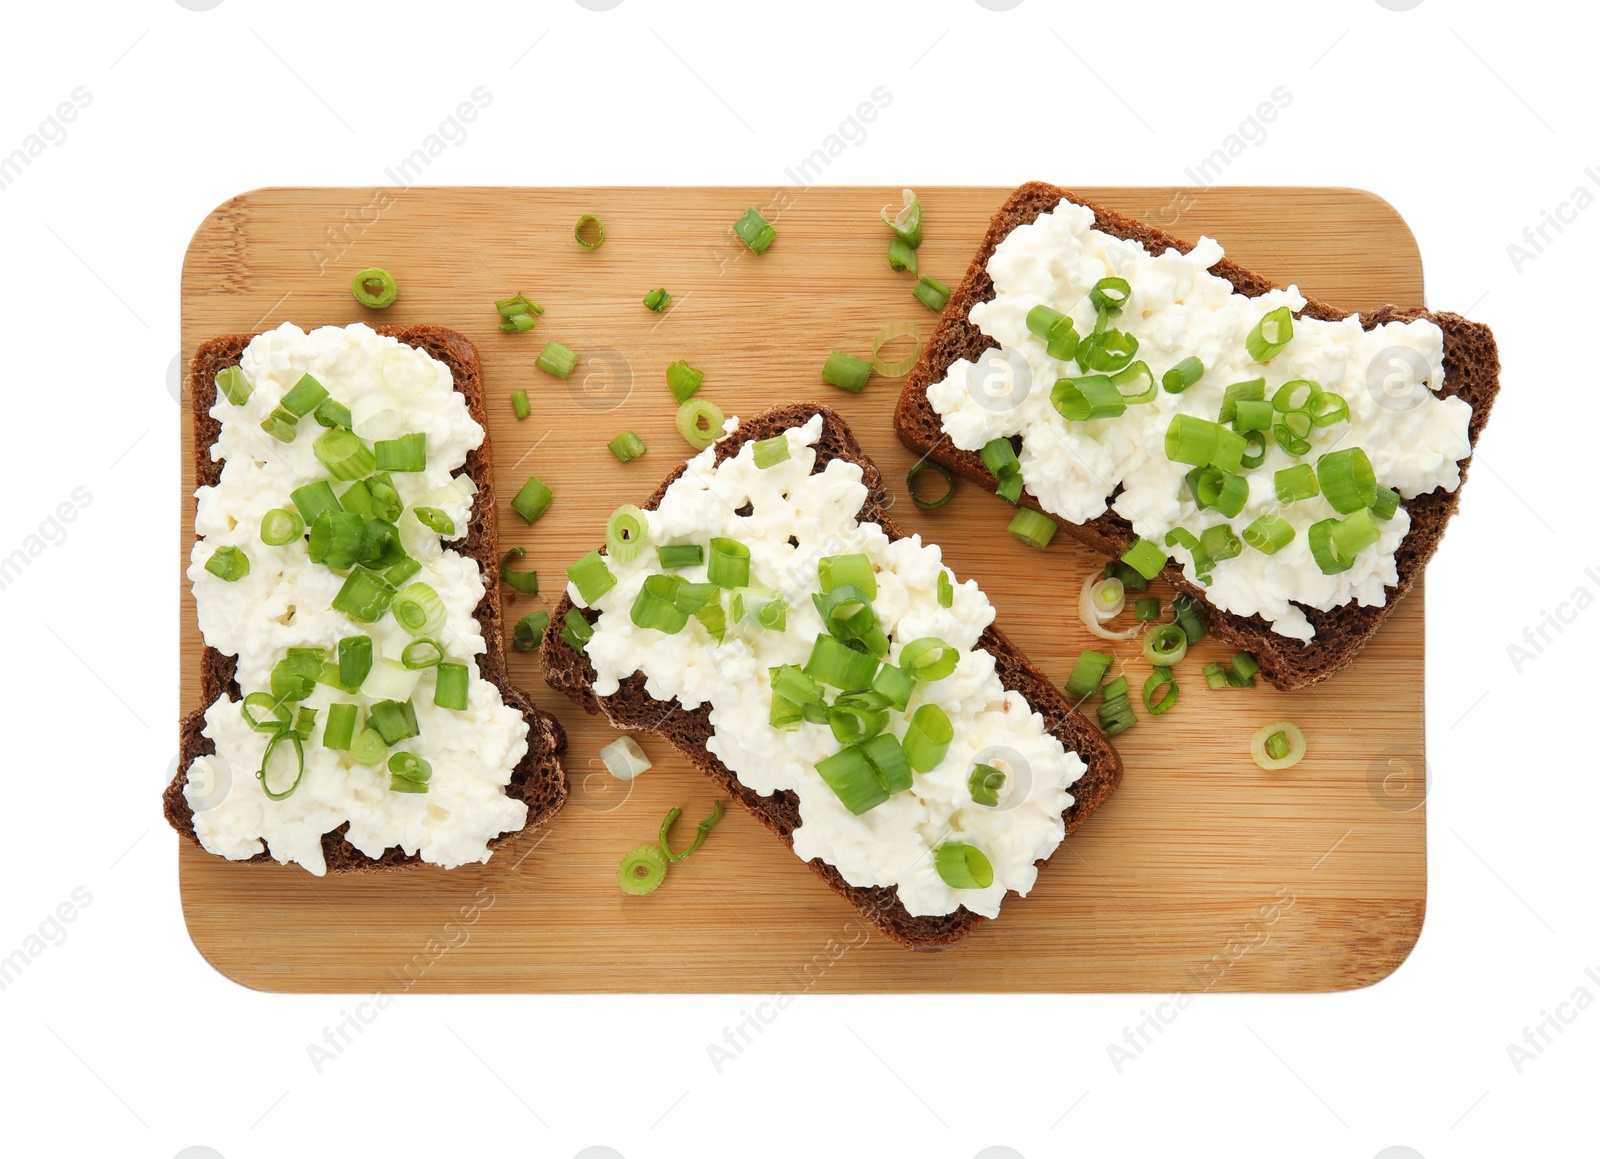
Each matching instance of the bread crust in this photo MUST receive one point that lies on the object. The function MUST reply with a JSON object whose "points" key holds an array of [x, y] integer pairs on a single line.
{"points": [[1472, 372], [540, 778], [631, 707]]}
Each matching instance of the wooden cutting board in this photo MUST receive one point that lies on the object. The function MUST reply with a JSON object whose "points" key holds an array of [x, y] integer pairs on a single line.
{"points": [[1202, 872]]}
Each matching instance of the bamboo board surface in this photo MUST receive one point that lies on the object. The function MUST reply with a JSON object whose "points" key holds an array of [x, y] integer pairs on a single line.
{"points": [[1201, 873]]}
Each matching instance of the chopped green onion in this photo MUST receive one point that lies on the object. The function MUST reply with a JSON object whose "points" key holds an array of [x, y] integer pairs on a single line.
{"points": [[304, 396], [380, 542], [680, 555], [1252, 415], [1115, 711], [368, 748], [1251, 390], [963, 866], [402, 571], [1293, 432], [1165, 645], [700, 422], [230, 380], [943, 472], [435, 520], [1269, 534], [642, 870], [576, 630], [406, 453], [683, 380], [532, 501], [265, 702], [1287, 397], [1145, 558], [770, 452], [295, 676], [1130, 374], [1219, 542], [692, 597], [1182, 376], [896, 367], [450, 687], [1001, 458], [703, 828], [557, 359], [1271, 334], [313, 499], [846, 371], [529, 631], [1110, 295], [895, 685], [280, 424], [1385, 503], [928, 659], [280, 526], [333, 414], [1295, 483], [1086, 399], [340, 727], [1328, 408], [854, 723], [888, 761], [853, 779], [386, 503], [656, 300], [626, 447], [713, 618], [355, 660], [1244, 666], [517, 313], [836, 663], [305, 721], [1355, 533], [1347, 480], [1152, 685], [1280, 745], [1107, 351], [1255, 450], [755, 231], [525, 582], [1032, 528], [984, 785], [1130, 578], [408, 773], [729, 564], [627, 531], [591, 226], [1147, 610], [655, 606], [519, 404], [1045, 321], [946, 590], [418, 609], [375, 288], [901, 256], [421, 654], [907, 220], [794, 685], [854, 570], [927, 738], [846, 612], [228, 564], [1183, 608], [1226, 492], [931, 293], [393, 720], [1192, 440], [293, 738], [591, 577]]}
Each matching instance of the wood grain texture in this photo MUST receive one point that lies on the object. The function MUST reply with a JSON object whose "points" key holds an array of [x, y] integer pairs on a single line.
{"points": [[1202, 873]]}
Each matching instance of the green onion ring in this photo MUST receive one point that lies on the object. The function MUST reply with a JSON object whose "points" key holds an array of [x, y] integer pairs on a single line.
{"points": [[1152, 683], [700, 422], [300, 759], [642, 870], [938, 469], [599, 231]]}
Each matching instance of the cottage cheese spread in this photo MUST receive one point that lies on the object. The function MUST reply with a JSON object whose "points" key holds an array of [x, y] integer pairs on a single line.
{"points": [[285, 601], [1390, 377], [796, 518]]}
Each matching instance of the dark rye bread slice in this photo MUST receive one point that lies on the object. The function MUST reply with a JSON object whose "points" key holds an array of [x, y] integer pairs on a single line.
{"points": [[1472, 371], [631, 707], [540, 779]]}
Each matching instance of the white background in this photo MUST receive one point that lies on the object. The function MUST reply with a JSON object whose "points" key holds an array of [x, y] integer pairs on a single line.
{"points": [[1472, 119]]}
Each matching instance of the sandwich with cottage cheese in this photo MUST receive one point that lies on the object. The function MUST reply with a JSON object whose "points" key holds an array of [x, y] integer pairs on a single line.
{"points": [[1290, 465], [764, 614], [356, 713]]}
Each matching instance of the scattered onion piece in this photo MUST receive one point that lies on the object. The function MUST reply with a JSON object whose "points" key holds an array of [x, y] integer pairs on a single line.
{"points": [[896, 367], [1290, 734], [1091, 620]]}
